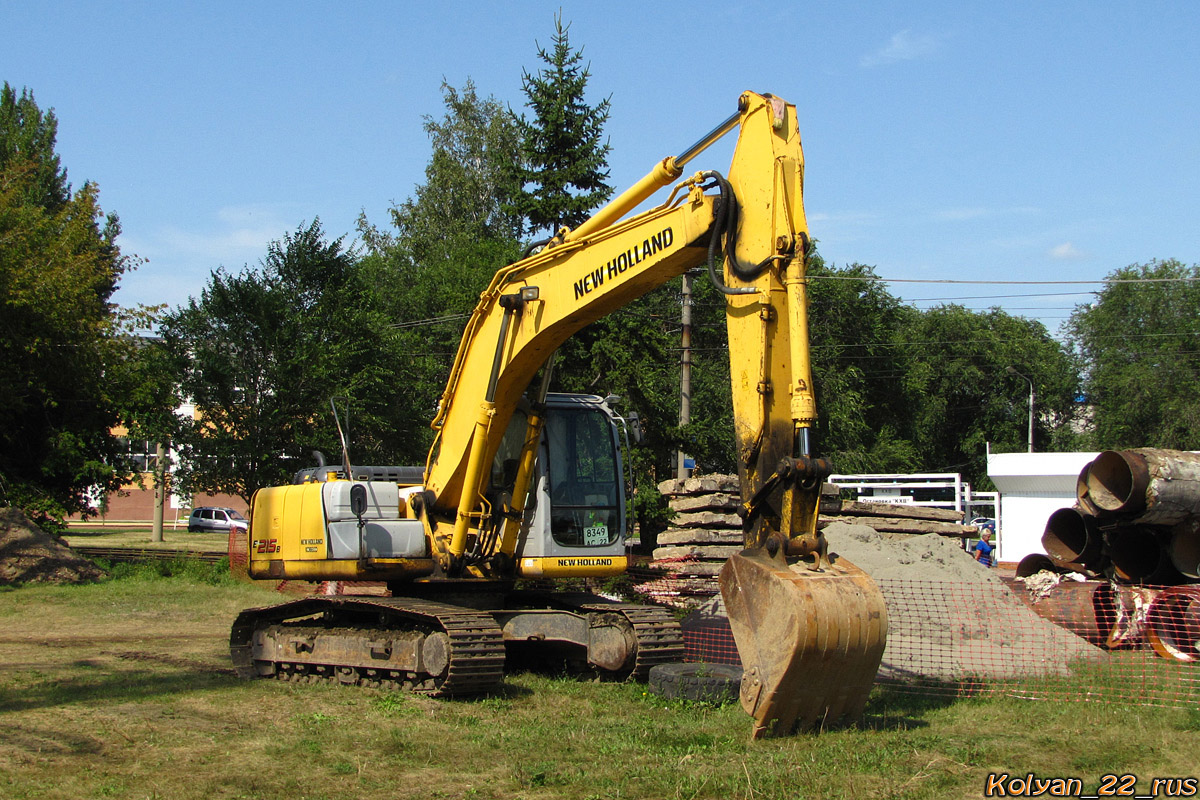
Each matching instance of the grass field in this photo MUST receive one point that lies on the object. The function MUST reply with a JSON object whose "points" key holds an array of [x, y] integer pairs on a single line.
{"points": [[84, 535], [123, 689]]}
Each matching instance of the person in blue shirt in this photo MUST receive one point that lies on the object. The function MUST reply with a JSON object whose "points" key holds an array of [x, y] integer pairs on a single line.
{"points": [[984, 549]]}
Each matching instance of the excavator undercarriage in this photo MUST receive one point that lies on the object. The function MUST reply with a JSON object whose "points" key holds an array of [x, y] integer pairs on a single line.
{"points": [[444, 649]]}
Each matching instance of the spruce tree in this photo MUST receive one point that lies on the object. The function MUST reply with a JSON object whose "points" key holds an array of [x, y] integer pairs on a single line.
{"points": [[564, 148]]}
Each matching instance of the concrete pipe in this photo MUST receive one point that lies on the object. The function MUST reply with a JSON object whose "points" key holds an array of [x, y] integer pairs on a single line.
{"points": [[1146, 485], [1073, 538], [1139, 555]]}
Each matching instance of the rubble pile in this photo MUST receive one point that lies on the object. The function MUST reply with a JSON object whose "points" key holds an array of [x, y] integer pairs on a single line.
{"points": [[29, 554]]}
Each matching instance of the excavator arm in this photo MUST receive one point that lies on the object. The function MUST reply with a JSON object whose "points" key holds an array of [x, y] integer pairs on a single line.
{"points": [[810, 631]]}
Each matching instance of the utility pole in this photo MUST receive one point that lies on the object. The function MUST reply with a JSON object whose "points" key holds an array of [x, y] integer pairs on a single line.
{"points": [[685, 370], [1014, 371], [160, 490]]}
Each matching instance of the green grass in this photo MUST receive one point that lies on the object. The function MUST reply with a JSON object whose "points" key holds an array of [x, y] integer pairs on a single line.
{"points": [[123, 689], [214, 573], [82, 535]]}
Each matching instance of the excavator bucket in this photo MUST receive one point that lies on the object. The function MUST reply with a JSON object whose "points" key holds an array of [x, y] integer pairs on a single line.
{"points": [[810, 641]]}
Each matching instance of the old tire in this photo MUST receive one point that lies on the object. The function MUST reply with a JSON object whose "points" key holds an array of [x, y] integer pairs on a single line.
{"points": [[709, 683]]}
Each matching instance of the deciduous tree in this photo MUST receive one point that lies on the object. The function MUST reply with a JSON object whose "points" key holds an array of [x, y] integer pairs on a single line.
{"points": [[262, 353], [60, 343], [1137, 341], [954, 364]]}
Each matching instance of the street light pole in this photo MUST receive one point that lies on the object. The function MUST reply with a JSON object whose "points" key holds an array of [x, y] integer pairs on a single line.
{"points": [[1014, 371]]}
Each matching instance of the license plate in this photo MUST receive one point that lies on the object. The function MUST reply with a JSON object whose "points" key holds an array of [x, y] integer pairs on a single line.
{"points": [[595, 534]]}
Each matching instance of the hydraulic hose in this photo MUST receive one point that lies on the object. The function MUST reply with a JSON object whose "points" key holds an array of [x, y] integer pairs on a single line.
{"points": [[726, 225], [534, 246]]}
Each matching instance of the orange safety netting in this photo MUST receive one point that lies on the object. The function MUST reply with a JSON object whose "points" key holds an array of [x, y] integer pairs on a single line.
{"points": [[1108, 644]]}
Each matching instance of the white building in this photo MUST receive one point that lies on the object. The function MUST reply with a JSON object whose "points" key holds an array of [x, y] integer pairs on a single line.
{"points": [[1032, 487]]}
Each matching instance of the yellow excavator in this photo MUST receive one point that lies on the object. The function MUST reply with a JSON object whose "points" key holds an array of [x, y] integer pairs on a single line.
{"points": [[524, 484]]}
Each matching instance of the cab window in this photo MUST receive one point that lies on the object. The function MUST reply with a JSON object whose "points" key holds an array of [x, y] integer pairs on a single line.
{"points": [[584, 479]]}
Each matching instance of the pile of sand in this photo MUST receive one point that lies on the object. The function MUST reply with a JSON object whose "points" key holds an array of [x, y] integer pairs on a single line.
{"points": [[29, 554], [950, 618]]}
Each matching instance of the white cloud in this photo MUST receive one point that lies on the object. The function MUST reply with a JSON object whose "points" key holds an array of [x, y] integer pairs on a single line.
{"points": [[1067, 251], [903, 46]]}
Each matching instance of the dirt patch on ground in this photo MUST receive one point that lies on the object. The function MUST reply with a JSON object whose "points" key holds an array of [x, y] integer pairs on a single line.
{"points": [[29, 554]]}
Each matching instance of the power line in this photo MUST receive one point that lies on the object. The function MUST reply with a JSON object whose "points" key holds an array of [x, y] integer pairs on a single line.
{"points": [[1000, 283], [995, 296], [846, 346], [432, 321]]}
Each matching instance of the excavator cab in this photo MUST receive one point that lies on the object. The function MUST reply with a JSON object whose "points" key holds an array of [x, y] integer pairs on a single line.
{"points": [[576, 518]]}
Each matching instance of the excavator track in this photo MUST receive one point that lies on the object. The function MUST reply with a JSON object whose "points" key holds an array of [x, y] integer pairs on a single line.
{"points": [[450, 650], [656, 632], [659, 638]]}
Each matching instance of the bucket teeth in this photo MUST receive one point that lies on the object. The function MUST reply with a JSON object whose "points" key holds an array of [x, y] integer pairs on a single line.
{"points": [[810, 641]]}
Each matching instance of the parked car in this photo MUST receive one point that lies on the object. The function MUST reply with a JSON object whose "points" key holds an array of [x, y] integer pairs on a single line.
{"points": [[212, 518], [984, 522]]}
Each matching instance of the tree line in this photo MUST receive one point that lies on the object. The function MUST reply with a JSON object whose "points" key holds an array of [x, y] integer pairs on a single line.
{"points": [[260, 353]]}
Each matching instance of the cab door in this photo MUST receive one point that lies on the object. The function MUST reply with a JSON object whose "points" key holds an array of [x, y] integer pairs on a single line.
{"points": [[578, 520]]}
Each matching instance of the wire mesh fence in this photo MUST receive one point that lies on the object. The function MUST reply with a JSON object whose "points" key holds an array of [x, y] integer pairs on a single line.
{"points": [[239, 550]]}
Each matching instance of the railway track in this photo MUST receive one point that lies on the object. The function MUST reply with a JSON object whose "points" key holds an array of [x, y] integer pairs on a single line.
{"points": [[148, 554]]}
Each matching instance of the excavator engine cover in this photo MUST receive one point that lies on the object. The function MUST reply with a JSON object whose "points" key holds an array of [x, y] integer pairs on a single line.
{"points": [[810, 641]]}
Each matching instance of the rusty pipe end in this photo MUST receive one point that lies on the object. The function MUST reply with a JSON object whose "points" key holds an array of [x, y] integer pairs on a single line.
{"points": [[1072, 537], [1184, 548], [1082, 499], [1115, 482], [1139, 555], [1034, 563], [1173, 623]]}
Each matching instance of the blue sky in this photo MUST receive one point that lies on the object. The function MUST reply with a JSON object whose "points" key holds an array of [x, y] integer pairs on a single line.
{"points": [[1015, 141]]}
